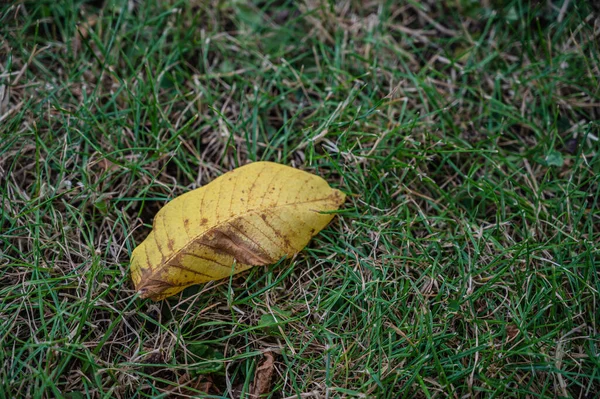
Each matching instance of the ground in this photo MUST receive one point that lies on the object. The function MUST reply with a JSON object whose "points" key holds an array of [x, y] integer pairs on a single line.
{"points": [[464, 262]]}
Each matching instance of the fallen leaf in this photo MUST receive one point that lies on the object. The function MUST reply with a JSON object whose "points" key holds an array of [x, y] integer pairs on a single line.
{"points": [[251, 216], [263, 376]]}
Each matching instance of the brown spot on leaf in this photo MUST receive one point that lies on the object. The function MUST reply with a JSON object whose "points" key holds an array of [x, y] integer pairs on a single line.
{"points": [[203, 221], [186, 221], [152, 288], [145, 273], [263, 216], [231, 240], [171, 244]]}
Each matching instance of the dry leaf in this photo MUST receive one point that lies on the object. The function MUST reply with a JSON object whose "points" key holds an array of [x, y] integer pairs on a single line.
{"points": [[263, 376], [251, 216]]}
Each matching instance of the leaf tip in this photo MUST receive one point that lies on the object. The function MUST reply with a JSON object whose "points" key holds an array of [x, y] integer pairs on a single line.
{"points": [[142, 281], [149, 291]]}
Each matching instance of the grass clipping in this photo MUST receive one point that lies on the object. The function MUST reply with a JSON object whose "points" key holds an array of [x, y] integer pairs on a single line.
{"points": [[251, 216]]}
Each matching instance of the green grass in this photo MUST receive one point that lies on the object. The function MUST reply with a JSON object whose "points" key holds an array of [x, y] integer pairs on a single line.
{"points": [[465, 260]]}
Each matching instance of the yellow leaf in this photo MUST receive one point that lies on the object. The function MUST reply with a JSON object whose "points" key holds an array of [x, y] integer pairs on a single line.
{"points": [[251, 216]]}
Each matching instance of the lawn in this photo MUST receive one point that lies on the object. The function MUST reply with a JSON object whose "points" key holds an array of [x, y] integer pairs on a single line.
{"points": [[464, 262]]}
